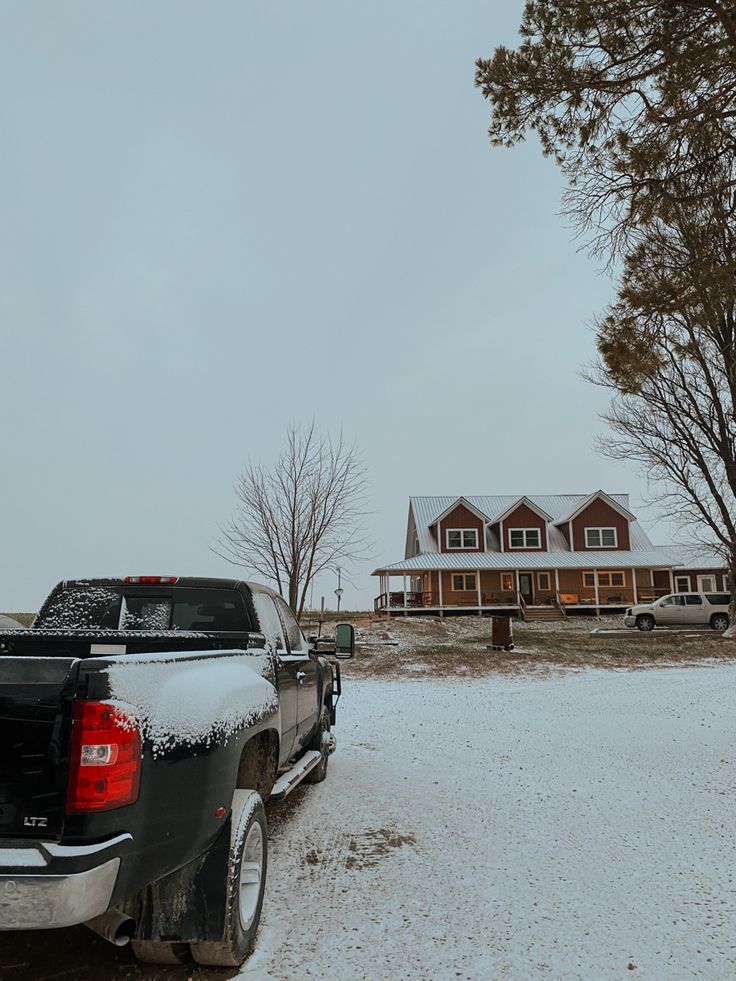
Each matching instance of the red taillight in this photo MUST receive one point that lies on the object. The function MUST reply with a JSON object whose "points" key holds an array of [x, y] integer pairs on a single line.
{"points": [[105, 763], [151, 580]]}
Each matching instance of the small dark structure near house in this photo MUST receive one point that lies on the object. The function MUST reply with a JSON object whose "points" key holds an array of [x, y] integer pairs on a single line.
{"points": [[502, 634]]}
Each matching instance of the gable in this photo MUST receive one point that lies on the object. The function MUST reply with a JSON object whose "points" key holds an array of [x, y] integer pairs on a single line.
{"points": [[522, 516], [461, 517], [600, 514]]}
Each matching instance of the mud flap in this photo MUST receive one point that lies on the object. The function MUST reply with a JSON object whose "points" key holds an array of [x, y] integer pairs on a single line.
{"points": [[190, 905]]}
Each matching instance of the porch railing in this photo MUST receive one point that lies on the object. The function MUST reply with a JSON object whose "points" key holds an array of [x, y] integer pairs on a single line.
{"points": [[396, 599]]}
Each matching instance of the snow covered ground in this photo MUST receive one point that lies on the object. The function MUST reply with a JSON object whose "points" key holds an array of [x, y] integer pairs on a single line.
{"points": [[574, 826]]}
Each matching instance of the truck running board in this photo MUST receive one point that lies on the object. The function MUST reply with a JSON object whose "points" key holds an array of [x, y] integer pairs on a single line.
{"points": [[293, 777]]}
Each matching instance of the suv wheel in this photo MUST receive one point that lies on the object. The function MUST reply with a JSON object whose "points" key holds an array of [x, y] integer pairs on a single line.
{"points": [[645, 621], [719, 621]]}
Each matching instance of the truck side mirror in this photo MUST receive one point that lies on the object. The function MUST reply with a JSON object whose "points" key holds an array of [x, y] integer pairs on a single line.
{"points": [[344, 640]]}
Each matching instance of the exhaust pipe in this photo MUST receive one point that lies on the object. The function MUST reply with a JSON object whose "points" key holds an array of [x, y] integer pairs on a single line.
{"points": [[114, 926]]}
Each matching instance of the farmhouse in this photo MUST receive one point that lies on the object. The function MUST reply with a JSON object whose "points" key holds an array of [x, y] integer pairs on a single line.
{"points": [[539, 557]]}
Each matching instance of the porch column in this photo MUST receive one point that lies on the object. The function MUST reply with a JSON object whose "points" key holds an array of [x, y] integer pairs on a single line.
{"points": [[633, 584], [477, 580], [404, 594], [672, 581], [439, 580], [557, 582], [518, 590], [595, 580]]}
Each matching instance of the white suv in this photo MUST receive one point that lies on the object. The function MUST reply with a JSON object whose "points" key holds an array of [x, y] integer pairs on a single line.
{"points": [[687, 609]]}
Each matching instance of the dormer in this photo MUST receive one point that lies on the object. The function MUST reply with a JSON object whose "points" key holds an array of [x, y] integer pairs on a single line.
{"points": [[522, 527], [598, 524], [461, 528]]}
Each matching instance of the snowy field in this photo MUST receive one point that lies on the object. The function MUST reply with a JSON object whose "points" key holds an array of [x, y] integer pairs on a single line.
{"points": [[580, 826]]}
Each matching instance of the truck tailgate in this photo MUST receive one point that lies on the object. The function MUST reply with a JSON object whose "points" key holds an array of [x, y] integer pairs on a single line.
{"points": [[35, 723]]}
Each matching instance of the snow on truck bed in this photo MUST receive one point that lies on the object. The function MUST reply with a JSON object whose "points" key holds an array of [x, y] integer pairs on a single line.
{"points": [[190, 700], [576, 826]]}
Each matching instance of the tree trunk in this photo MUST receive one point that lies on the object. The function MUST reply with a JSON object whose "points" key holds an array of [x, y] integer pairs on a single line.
{"points": [[731, 632]]}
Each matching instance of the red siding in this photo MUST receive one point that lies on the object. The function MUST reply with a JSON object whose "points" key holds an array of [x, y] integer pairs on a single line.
{"points": [[524, 517], [598, 514], [461, 517], [692, 576]]}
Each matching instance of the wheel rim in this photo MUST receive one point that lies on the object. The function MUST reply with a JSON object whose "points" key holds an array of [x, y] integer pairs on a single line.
{"points": [[720, 623], [251, 872]]}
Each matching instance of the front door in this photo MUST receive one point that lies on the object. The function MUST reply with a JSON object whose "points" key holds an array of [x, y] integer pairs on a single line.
{"points": [[526, 587]]}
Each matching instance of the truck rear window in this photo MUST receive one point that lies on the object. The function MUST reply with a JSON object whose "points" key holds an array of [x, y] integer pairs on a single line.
{"points": [[128, 608]]}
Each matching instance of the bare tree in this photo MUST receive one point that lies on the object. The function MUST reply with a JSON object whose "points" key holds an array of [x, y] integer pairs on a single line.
{"points": [[668, 352], [301, 516]]}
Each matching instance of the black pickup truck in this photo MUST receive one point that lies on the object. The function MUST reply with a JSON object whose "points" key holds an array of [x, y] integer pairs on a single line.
{"points": [[143, 722]]}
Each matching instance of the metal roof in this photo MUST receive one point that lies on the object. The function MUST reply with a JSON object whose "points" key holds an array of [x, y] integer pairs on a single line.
{"points": [[426, 510], [508, 561], [693, 556]]}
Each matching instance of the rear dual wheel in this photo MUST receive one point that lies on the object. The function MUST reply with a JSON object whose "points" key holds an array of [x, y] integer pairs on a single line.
{"points": [[245, 884]]}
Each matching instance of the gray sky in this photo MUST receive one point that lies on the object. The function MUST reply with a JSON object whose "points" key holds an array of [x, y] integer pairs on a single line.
{"points": [[218, 218]]}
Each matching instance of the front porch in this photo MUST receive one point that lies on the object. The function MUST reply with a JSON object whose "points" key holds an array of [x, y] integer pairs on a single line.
{"points": [[519, 593]]}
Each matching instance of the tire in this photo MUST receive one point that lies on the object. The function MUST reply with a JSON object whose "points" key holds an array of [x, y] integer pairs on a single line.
{"points": [[318, 774], [720, 621], [159, 951], [645, 621], [246, 881]]}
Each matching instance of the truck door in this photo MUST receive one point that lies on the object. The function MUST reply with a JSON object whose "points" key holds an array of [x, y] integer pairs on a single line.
{"points": [[286, 681], [307, 675]]}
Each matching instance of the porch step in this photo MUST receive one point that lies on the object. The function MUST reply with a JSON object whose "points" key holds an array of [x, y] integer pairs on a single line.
{"points": [[543, 613]]}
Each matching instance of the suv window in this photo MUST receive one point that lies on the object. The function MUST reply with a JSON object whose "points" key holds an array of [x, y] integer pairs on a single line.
{"points": [[297, 643], [718, 599], [693, 599], [673, 601]]}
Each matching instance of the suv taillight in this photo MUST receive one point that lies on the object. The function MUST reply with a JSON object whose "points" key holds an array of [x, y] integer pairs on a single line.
{"points": [[105, 762]]}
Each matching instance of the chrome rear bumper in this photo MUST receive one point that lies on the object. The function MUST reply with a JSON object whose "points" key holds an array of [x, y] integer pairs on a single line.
{"points": [[40, 902], [46, 884]]}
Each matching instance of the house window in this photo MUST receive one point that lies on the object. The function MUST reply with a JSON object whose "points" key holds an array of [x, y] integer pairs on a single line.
{"points": [[543, 581], [707, 584], [462, 538], [604, 579], [524, 538], [507, 581], [601, 538], [463, 583], [682, 584]]}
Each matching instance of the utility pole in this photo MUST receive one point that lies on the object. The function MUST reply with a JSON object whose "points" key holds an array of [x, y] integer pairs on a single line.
{"points": [[339, 591]]}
